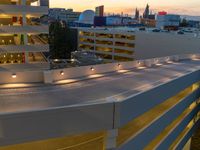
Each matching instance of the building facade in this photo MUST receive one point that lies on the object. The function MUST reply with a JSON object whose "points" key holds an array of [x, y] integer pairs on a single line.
{"points": [[109, 44], [44, 3], [168, 21], [22, 37], [67, 15], [99, 11]]}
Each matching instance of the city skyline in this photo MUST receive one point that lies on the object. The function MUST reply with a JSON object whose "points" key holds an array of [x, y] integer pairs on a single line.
{"points": [[182, 7]]}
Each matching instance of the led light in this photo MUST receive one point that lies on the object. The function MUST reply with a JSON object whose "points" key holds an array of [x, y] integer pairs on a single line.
{"points": [[92, 68], [62, 73], [142, 67], [158, 64], [14, 75]]}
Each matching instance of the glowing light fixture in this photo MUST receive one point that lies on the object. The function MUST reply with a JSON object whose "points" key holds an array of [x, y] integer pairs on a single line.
{"points": [[62, 73], [159, 64], [92, 68], [141, 67], [14, 76]]}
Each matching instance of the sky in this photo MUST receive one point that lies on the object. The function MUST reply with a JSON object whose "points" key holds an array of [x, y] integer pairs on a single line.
{"points": [[184, 7]]}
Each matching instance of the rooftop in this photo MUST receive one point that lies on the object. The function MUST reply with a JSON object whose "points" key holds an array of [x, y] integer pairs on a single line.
{"points": [[108, 87]]}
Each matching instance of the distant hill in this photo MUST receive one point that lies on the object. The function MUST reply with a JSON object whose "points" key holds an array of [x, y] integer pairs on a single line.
{"points": [[197, 18]]}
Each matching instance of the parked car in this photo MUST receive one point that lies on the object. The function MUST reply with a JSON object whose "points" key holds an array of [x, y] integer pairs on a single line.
{"points": [[180, 32], [156, 30]]}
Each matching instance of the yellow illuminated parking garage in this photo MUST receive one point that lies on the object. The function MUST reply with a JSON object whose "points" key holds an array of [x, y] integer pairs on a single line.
{"points": [[22, 38]]}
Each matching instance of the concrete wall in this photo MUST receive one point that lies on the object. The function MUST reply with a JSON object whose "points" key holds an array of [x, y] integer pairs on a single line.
{"points": [[151, 45], [21, 77], [141, 143], [129, 109], [57, 122], [168, 90], [51, 76]]}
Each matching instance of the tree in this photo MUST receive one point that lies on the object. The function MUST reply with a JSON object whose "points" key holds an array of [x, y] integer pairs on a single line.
{"points": [[184, 23], [60, 40]]}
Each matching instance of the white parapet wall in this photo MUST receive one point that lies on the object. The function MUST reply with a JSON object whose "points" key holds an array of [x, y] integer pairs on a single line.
{"points": [[85, 72], [21, 77]]}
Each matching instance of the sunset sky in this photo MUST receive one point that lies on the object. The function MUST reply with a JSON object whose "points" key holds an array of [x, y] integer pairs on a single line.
{"points": [[189, 7]]}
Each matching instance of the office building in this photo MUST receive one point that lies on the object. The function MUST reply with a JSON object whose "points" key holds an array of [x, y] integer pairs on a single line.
{"points": [[141, 105], [44, 3], [99, 11], [168, 21], [109, 44], [193, 23], [22, 37], [67, 15]]}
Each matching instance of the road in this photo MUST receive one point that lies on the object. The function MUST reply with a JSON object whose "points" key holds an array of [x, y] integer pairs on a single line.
{"points": [[115, 86]]}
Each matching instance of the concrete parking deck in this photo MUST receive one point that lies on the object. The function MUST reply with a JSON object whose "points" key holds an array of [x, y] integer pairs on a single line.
{"points": [[113, 87]]}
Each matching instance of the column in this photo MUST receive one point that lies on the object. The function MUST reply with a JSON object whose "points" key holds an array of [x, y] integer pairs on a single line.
{"points": [[113, 49], [111, 143], [24, 22]]}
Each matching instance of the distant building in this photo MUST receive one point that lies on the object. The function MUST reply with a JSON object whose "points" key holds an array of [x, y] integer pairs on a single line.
{"points": [[67, 15], [137, 14], [114, 20], [86, 19], [168, 21], [110, 44], [148, 18], [99, 21], [162, 13], [44, 3], [99, 11], [193, 23], [146, 12], [148, 22]]}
